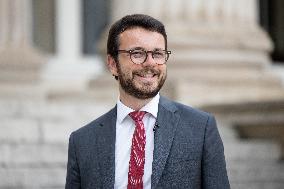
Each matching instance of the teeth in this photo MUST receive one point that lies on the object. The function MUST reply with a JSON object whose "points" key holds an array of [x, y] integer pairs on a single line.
{"points": [[148, 75]]}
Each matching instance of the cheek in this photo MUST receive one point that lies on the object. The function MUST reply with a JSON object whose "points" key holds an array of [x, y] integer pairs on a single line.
{"points": [[163, 70], [125, 71]]}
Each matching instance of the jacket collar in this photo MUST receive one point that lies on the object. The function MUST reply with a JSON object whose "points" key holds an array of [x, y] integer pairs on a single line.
{"points": [[167, 120]]}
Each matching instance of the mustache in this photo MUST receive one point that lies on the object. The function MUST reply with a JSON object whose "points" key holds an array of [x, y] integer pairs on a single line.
{"points": [[147, 71]]}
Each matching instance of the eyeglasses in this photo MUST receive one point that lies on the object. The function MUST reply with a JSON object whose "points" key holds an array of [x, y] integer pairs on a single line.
{"points": [[139, 56]]}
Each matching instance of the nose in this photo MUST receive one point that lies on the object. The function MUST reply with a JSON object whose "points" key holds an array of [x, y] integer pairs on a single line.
{"points": [[149, 59]]}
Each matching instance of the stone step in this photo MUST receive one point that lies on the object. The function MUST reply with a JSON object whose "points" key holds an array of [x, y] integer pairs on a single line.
{"points": [[258, 185], [249, 113], [39, 155], [263, 130], [108, 95], [248, 108], [255, 171], [24, 91], [237, 149], [217, 77], [51, 110], [251, 150], [103, 81], [217, 56], [18, 76], [20, 65], [33, 177], [102, 89], [42, 128], [201, 96], [228, 134]]}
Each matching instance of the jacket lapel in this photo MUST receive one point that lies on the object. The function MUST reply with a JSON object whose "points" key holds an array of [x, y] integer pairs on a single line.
{"points": [[167, 120], [107, 148]]}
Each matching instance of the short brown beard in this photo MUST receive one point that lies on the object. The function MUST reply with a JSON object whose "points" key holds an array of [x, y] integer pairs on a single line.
{"points": [[128, 86]]}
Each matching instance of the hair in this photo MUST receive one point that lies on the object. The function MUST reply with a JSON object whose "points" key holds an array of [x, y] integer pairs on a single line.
{"points": [[128, 22]]}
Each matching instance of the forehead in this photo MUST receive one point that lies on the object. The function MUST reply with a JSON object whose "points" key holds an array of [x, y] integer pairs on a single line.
{"points": [[140, 37]]}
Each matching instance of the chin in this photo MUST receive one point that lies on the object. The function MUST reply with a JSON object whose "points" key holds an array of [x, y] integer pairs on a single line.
{"points": [[142, 94], [145, 96]]}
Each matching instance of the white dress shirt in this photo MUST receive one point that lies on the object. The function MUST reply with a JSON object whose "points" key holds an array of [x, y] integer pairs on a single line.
{"points": [[125, 127]]}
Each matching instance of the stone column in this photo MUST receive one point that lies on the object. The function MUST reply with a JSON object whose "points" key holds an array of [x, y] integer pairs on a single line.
{"points": [[217, 46], [20, 62], [69, 19], [14, 23], [69, 70]]}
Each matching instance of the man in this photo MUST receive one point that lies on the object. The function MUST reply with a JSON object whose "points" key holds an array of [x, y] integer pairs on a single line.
{"points": [[146, 140]]}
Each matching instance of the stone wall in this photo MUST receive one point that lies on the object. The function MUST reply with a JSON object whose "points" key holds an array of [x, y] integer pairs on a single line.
{"points": [[33, 140], [34, 137]]}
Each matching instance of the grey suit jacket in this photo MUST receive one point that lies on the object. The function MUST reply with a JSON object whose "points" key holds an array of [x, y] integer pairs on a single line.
{"points": [[188, 151]]}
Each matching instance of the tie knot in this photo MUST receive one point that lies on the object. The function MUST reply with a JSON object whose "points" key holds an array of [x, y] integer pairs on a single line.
{"points": [[137, 115]]}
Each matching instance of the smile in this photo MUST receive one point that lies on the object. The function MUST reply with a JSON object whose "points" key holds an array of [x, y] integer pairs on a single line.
{"points": [[149, 77]]}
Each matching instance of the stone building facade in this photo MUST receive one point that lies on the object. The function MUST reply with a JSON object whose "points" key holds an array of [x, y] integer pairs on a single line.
{"points": [[53, 81]]}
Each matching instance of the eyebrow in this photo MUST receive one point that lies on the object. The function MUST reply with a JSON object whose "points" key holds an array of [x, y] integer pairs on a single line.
{"points": [[141, 48], [137, 48]]}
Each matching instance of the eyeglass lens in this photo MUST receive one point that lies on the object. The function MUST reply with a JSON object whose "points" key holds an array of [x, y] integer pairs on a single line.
{"points": [[140, 56]]}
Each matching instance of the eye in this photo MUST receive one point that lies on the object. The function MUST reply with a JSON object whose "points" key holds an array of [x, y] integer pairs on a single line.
{"points": [[158, 54], [138, 54]]}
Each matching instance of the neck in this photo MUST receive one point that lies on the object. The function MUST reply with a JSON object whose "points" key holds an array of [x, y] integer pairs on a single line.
{"points": [[133, 102]]}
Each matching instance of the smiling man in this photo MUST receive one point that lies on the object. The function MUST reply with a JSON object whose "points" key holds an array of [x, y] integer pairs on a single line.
{"points": [[146, 140]]}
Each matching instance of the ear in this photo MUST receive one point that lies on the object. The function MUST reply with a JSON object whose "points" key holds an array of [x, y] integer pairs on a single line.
{"points": [[111, 64]]}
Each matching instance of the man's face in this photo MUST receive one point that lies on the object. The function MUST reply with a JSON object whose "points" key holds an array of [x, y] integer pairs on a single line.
{"points": [[144, 80]]}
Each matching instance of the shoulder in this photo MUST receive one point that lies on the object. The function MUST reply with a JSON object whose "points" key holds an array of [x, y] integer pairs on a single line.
{"points": [[91, 127], [183, 110]]}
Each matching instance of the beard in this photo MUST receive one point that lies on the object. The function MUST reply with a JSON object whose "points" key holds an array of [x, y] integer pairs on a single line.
{"points": [[143, 90]]}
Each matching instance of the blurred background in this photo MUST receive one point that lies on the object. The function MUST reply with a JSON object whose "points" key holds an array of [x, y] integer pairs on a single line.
{"points": [[227, 59]]}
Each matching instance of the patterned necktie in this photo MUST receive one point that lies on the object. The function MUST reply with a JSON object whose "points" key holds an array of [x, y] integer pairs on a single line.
{"points": [[137, 155]]}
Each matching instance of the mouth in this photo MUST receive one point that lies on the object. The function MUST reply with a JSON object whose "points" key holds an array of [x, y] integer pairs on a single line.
{"points": [[147, 76]]}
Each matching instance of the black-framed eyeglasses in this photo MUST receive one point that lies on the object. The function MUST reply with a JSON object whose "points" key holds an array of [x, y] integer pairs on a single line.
{"points": [[139, 56]]}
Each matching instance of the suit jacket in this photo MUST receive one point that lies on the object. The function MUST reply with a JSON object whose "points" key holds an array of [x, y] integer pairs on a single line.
{"points": [[188, 151]]}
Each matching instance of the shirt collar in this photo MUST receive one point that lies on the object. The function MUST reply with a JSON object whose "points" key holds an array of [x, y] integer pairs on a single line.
{"points": [[151, 107]]}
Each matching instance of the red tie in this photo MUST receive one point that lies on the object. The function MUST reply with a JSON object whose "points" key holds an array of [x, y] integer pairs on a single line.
{"points": [[137, 155]]}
